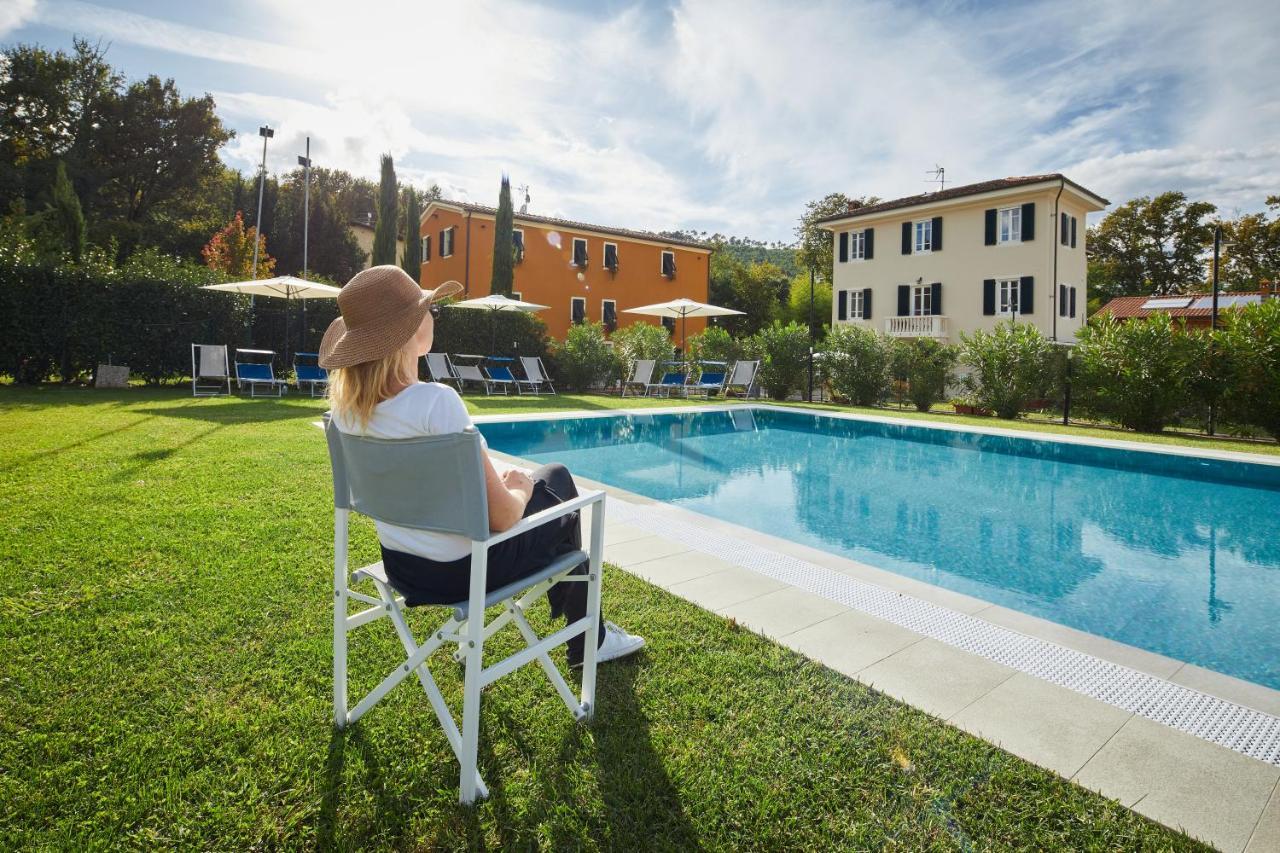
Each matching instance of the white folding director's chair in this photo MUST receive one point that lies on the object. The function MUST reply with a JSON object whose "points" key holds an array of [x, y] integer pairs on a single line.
{"points": [[210, 376], [389, 481]]}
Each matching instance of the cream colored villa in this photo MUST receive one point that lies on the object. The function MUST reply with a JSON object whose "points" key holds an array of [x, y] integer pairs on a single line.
{"points": [[966, 258]]}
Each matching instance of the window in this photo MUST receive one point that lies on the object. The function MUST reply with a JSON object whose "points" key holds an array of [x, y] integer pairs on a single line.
{"points": [[517, 243], [609, 314], [921, 299], [857, 245], [579, 251], [426, 248], [669, 264], [1011, 225], [577, 309], [446, 242], [669, 323], [855, 305], [515, 294], [1007, 290], [924, 236], [611, 256]]}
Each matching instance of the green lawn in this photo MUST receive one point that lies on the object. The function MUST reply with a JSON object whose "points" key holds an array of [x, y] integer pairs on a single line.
{"points": [[165, 664]]}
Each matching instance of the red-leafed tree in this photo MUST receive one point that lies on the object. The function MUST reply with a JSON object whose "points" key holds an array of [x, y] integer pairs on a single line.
{"points": [[231, 251]]}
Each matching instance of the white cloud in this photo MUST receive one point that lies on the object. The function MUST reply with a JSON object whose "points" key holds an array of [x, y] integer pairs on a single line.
{"points": [[15, 14]]}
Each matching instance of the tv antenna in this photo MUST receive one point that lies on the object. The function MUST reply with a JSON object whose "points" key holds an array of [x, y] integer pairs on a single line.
{"points": [[939, 174], [524, 188]]}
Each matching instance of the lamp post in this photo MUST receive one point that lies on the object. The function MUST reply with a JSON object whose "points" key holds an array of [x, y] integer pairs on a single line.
{"points": [[305, 163], [266, 133], [1213, 321], [811, 275]]}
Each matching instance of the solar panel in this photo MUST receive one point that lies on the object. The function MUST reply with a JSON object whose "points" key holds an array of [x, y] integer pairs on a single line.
{"points": [[1167, 302], [1227, 300]]}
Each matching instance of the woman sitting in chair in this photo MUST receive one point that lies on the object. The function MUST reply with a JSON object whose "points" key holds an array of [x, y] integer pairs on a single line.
{"points": [[372, 352]]}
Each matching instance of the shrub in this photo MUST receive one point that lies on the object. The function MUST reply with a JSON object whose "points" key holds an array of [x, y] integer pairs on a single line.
{"points": [[1007, 366], [464, 330], [784, 358], [855, 363], [714, 344], [926, 365], [1135, 373], [1252, 342], [585, 360], [642, 341]]}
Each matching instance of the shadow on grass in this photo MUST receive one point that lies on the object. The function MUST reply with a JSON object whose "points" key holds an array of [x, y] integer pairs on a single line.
{"points": [[242, 411], [29, 458]]}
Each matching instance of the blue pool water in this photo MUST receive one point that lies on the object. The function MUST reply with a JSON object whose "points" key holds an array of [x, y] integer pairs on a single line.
{"points": [[1173, 554]]}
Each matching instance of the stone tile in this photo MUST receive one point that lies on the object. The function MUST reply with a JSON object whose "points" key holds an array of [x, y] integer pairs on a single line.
{"points": [[851, 641], [935, 677], [678, 568], [786, 611], [722, 589], [616, 534], [639, 550], [1046, 724], [1266, 836], [1200, 788], [1232, 689]]}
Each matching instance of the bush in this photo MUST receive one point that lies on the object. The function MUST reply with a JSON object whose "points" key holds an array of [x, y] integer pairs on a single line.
{"points": [[1136, 373], [855, 363], [585, 360], [714, 344], [1252, 343], [926, 365], [465, 330], [784, 358], [1007, 366], [642, 341]]}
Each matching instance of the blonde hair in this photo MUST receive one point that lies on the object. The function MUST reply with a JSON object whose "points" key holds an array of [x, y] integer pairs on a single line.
{"points": [[356, 390]]}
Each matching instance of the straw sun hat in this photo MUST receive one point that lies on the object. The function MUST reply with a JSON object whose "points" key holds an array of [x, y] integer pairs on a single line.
{"points": [[381, 309]]}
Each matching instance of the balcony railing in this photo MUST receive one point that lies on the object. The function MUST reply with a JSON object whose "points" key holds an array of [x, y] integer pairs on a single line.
{"points": [[929, 326]]}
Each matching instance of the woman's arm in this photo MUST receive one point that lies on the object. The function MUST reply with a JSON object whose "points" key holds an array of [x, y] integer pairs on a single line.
{"points": [[506, 503]]}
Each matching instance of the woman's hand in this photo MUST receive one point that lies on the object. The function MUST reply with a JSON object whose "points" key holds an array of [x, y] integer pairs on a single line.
{"points": [[508, 494], [518, 481]]}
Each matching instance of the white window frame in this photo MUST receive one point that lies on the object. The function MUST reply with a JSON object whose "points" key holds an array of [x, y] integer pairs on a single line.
{"points": [[921, 300], [583, 300], [604, 255], [586, 250], [920, 229], [612, 302], [423, 251], [523, 248], [1008, 297], [448, 233], [858, 245], [1013, 215], [854, 305], [661, 266]]}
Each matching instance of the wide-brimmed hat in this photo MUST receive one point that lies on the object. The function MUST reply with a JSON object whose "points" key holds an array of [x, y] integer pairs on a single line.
{"points": [[381, 309]]}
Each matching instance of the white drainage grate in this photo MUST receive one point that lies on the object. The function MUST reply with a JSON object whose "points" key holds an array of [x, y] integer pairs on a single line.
{"points": [[1236, 727]]}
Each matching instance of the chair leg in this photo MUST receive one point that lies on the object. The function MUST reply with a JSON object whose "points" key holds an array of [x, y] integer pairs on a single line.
{"points": [[471, 681], [595, 573], [340, 520]]}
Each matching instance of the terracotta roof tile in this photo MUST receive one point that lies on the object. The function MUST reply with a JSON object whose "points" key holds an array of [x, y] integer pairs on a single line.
{"points": [[1130, 307], [585, 226], [959, 192]]}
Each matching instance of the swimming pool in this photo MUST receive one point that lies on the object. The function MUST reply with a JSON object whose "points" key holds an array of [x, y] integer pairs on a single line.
{"points": [[1175, 554]]}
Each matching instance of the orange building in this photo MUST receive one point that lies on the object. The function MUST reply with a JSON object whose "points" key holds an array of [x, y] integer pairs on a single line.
{"points": [[583, 272]]}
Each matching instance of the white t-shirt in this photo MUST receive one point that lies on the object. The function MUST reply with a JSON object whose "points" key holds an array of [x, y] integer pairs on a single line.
{"points": [[425, 408]]}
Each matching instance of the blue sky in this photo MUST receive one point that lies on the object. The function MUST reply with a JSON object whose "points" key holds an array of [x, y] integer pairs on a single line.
{"points": [[723, 115]]}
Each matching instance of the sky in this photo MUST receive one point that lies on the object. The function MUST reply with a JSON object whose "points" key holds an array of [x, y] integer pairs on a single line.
{"points": [[720, 115]]}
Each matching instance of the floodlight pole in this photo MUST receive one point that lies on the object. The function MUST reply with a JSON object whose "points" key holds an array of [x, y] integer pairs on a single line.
{"points": [[305, 163], [266, 133], [1213, 320], [811, 274]]}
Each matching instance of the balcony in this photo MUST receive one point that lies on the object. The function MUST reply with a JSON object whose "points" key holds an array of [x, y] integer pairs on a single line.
{"points": [[930, 326]]}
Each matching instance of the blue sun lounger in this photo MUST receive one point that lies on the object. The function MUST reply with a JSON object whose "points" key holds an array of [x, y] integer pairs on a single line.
{"points": [[307, 371]]}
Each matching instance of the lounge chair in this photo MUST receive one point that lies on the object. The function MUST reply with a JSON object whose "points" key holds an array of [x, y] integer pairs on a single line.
{"points": [[536, 374], [471, 373], [501, 377], [258, 375], [441, 369], [641, 374], [707, 383], [395, 482], [210, 376], [309, 372], [743, 377], [669, 382]]}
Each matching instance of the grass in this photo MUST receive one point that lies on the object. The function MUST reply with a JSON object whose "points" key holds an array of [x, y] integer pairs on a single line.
{"points": [[164, 682]]}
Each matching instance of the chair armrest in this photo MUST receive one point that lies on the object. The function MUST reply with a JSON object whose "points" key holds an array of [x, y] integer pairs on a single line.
{"points": [[540, 518]]}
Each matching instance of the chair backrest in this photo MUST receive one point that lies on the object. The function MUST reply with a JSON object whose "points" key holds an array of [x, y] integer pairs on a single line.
{"points": [[672, 379], [469, 371], [744, 373], [501, 374], [310, 373], [643, 372], [430, 482], [250, 371], [532, 368], [438, 366], [716, 379], [211, 361]]}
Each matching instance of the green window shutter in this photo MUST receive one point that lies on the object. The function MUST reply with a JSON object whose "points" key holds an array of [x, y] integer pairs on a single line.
{"points": [[906, 238], [866, 303], [844, 246], [937, 234], [935, 300], [990, 217], [843, 313], [904, 300], [1073, 232], [869, 248], [1028, 222], [1027, 295], [989, 297]]}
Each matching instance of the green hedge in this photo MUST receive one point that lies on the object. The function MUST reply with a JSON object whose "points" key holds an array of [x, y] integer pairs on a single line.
{"points": [[475, 332]]}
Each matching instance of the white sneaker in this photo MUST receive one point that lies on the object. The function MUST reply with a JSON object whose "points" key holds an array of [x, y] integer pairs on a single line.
{"points": [[617, 643]]}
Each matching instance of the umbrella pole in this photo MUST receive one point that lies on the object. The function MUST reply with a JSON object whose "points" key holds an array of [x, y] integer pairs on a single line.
{"points": [[493, 332]]}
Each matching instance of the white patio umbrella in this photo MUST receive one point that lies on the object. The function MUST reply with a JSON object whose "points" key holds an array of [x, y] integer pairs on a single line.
{"points": [[496, 302], [682, 309], [283, 286]]}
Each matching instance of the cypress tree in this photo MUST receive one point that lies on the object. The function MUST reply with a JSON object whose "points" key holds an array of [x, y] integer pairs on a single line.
{"points": [[385, 231], [504, 258], [411, 258], [67, 213]]}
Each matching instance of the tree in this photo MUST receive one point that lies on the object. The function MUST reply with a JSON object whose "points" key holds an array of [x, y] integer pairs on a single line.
{"points": [[1252, 339], [1150, 246], [231, 251], [411, 258], [66, 216], [855, 363], [814, 248], [784, 357], [1007, 366], [504, 257], [1252, 254], [332, 250], [1136, 372], [926, 365], [384, 233], [758, 289], [798, 303]]}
